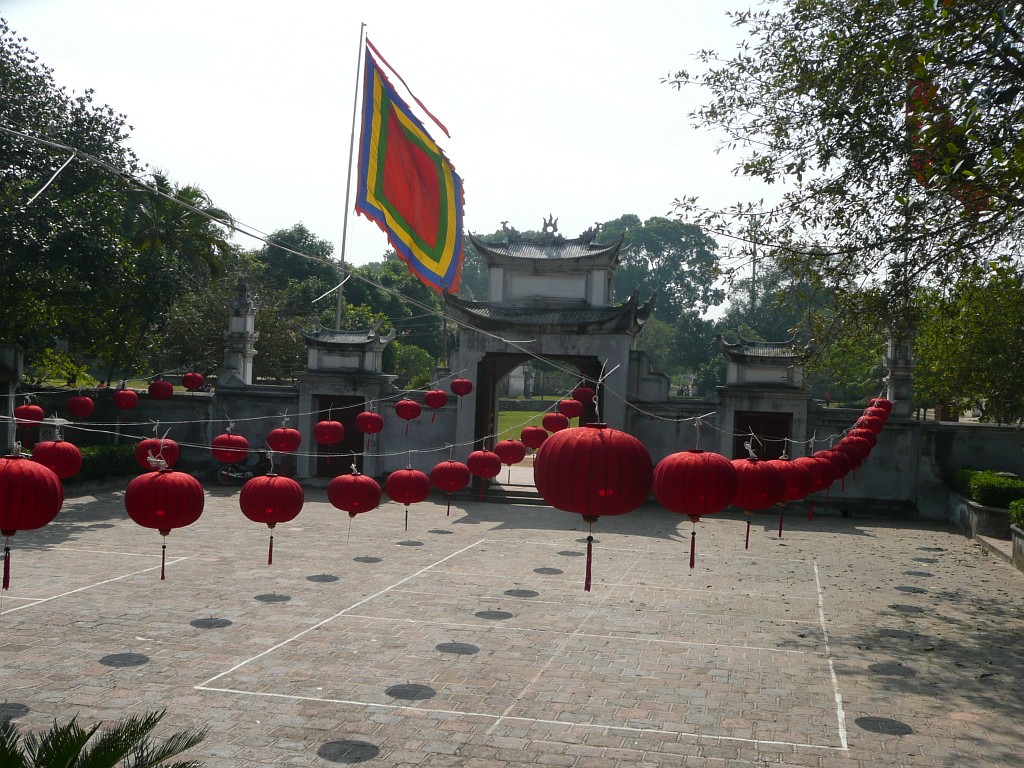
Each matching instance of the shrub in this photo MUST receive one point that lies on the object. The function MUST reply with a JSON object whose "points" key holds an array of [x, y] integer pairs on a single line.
{"points": [[103, 462], [1017, 512], [992, 489]]}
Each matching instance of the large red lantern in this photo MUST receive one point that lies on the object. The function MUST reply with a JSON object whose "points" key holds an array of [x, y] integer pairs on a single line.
{"points": [[570, 408], [881, 402], [450, 477], [593, 471], [30, 497], [271, 499], [61, 457], [484, 464], [328, 432], [354, 493], [840, 465], [161, 389], [798, 484], [193, 381], [157, 448], [821, 477], [369, 423], [407, 410], [126, 399], [584, 395], [869, 424], [28, 415], [533, 437], [694, 483], [867, 434], [407, 486], [284, 440], [760, 486], [79, 406], [555, 422], [510, 452], [164, 500], [878, 413], [462, 387], [229, 448], [436, 399]]}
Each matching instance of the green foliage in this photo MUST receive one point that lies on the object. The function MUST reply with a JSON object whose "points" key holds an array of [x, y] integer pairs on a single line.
{"points": [[105, 462], [1017, 512], [128, 743], [413, 365], [987, 487], [282, 263], [54, 367], [512, 423]]}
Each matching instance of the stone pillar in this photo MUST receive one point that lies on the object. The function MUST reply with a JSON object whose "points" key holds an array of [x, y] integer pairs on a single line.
{"points": [[241, 337], [10, 376], [899, 361]]}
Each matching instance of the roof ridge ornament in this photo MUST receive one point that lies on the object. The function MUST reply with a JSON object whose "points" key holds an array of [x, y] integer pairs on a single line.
{"points": [[550, 225]]}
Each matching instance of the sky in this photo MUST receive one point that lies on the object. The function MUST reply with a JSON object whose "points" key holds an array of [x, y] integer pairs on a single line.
{"points": [[554, 108]]}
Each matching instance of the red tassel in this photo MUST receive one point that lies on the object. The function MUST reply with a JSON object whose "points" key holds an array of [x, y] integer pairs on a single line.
{"points": [[407, 429], [780, 523], [693, 548], [407, 517], [270, 552], [433, 417], [7, 567], [590, 557], [746, 545], [827, 492], [810, 511], [449, 512], [163, 561]]}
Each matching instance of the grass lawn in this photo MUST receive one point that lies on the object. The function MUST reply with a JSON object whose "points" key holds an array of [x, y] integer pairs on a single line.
{"points": [[511, 423]]}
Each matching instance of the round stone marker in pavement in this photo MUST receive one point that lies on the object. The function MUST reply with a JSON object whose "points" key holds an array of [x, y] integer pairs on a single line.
{"points": [[912, 590], [928, 560], [124, 660], [569, 553], [892, 669], [440, 531], [548, 571], [521, 593], [409, 543], [273, 598], [884, 725], [348, 751], [322, 578], [493, 615], [12, 710], [368, 559], [923, 574], [460, 649], [411, 691], [210, 623]]}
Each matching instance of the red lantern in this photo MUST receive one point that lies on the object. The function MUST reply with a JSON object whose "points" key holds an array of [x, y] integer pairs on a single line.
{"points": [[126, 399], [570, 408], [878, 413], [161, 390], [881, 402], [869, 423], [584, 395], [484, 464], [79, 406], [760, 486], [328, 432], [164, 500], [533, 437], [462, 387], [436, 399], [510, 452], [554, 422], [407, 410], [30, 497], [407, 486], [450, 476], [369, 422], [193, 381], [61, 457], [271, 499], [858, 448], [798, 483], [821, 477], [157, 448], [694, 483], [593, 471], [284, 440], [867, 434], [229, 448], [840, 465], [353, 493], [28, 415]]}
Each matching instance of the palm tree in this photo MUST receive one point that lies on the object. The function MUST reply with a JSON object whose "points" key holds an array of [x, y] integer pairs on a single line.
{"points": [[127, 743]]}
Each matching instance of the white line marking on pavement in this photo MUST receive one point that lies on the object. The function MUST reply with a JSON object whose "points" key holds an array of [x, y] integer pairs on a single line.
{"points": [[840, 714]]}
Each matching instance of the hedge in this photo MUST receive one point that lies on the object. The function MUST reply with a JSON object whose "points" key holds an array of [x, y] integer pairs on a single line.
{"points": [[103, 462], [1017, 513], [988, 487]]}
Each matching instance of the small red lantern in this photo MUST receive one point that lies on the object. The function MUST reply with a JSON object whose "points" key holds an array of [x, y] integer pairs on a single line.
{"points": [[61, 457], [157, 448], [510, 452], [369, 423], [533, 437], [193, 381], [79, 406], [593, 471], [570, 408], [229, 448], [881, 402], [878, 413], [484, 464], [821, 477], [695, 483], [858, 448], [284, 440], [555, 422], [160, 389], [30, 497], [450, 476], [164, 500], [840, 465], [407, 410], [760, 486], [271, 499], [867, 434], [462, 387], [353, 493], [28, 415], [126, 399], [328, 432], [869, 424], [798, 483], [584, 395], [436, 399], [407, 486]]}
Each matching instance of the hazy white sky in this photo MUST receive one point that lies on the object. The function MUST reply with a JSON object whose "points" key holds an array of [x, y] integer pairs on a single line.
{"points": [[553, 107]]}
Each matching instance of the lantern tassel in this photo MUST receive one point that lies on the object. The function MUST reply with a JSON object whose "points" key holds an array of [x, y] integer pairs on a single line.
{"points": [[746, 544], [693, 547], [810, 511], [7, 567], [407, 517], [270, 551], [827, 492], [780, 522], [448, 513], [590, 558], [163, 561]]}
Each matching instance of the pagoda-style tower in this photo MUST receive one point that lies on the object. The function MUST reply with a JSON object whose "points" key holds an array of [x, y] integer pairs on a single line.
{"points": [[551, 297]]}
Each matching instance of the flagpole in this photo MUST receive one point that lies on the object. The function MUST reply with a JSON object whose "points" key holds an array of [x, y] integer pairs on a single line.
{"points": [[348, 182]]}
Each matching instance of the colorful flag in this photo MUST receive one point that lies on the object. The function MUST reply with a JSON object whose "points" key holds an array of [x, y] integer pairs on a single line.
{"points": [[407, 186]]}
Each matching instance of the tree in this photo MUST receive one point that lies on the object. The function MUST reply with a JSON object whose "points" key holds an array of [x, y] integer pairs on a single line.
{"points": [[127, 743], [661, 255], [895, 128], [282, 262]]}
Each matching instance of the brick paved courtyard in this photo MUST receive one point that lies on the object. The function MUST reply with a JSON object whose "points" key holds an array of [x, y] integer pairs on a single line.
{"points": [[469, 641]]}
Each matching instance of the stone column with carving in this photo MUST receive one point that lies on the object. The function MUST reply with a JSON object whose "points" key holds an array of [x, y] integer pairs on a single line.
{"points": [[241, 337], [899, 362]]}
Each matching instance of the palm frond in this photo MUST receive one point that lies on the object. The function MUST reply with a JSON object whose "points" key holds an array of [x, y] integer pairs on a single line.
{"points": [[11, 755], [117, 742]]}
